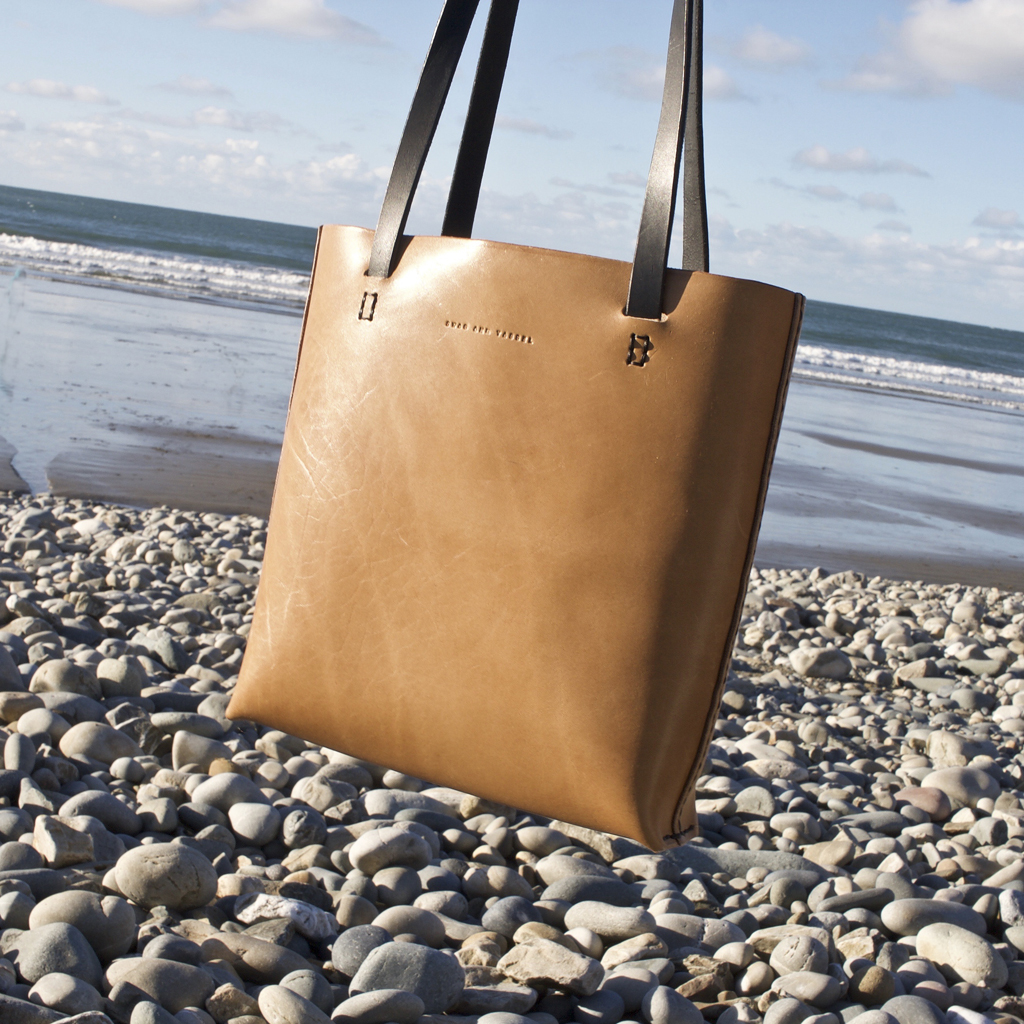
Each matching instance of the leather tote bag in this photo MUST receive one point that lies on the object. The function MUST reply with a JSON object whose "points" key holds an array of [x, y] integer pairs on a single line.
{"points": [[520, 489]]}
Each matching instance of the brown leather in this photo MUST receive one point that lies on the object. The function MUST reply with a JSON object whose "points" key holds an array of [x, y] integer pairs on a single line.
{"points": [[501, 557]]}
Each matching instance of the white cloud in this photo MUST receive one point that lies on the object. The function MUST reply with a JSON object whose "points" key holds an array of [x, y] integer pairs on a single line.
{"points": [[877, 201], [762, 48], [628, 178], [191, 85], [1000, 220], [979, 279], [240, 121], [159, 6], [640, 75], [857, 159], [311, 18], [524, 124], [941, 44], [894, 225], [833, 194], [46, 88], [218, 117], [720, 85], [828, 192], [601, 190], [10, 122]]}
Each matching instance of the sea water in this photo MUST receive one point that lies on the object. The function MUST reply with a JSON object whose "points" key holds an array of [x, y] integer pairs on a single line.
{"points": [[139, 343]]}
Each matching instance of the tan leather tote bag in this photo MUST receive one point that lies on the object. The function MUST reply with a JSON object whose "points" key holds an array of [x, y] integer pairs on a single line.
{"points": [[520, 489]]}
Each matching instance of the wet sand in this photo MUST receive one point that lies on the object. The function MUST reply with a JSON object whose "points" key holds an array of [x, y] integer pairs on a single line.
{"points": [[150, 400]]}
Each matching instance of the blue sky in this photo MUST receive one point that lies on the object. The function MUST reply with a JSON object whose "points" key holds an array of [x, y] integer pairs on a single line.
{"points": [[866, 153]]}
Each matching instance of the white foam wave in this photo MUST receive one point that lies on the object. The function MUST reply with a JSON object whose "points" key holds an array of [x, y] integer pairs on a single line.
{"points": [[166, 272], [937, 380]]}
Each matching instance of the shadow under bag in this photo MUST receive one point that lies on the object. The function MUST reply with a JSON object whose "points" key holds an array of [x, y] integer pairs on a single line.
{"points": [[520, 489]]}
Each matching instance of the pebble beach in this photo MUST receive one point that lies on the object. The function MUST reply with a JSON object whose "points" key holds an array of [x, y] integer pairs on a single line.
{"points": [[861, 854]]}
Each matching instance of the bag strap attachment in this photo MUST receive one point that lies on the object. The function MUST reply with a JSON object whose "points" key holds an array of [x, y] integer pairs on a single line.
{"points": [[681, 103], [435, 80]]}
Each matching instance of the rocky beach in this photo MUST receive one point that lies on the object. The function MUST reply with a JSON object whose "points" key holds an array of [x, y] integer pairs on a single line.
{"points": [[861, 854]]}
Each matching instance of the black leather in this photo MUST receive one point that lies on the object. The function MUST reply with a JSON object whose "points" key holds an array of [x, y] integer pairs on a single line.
{"points": [[483, 105], [431, 92], [681, 108], [695, 203]]}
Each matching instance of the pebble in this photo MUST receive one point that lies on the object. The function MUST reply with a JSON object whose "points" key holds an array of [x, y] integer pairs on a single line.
{"points": [[964, 955], [166, 875], [860, 806], [380, 1007], [280, 1005], [437, 978]]}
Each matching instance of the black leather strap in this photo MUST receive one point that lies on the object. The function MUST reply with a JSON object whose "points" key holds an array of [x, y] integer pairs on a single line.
{"points": [[431, 93], [483, 105], [651, 256], [681, 108], [695, 203]]}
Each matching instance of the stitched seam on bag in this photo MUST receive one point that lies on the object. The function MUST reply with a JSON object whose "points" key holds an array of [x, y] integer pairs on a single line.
{"points": [[780, 404]]}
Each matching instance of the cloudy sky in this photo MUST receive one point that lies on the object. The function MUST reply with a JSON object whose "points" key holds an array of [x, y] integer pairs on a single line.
{"points": [[868, 153]]}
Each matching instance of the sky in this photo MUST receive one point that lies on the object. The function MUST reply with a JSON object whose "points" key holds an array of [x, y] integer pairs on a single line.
{"points": [[868, 153]]}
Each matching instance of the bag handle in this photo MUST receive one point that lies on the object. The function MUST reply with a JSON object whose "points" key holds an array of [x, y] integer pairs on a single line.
{"points": [[682, 98]]}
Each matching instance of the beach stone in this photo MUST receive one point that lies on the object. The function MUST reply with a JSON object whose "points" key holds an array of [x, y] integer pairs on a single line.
{"points": [[225, 790], [59, 844], [313, 986], [19, 753], [65, 676], [663, 1005], [380, 1007], [810, 987], [279, 1005], [229, 1002], [820, 663], [872, 986], [172, 985], [255, 824], [909, 916], [389, 847], [120, 677], [353, 946], [614, 923], [116, 816], [168, 875], [506, 916], [788, 1011], [436, 977], [190, 748], [309, 921], [962, 954], [57, 947], [799, 953], [547, 964], [774, 768], [603, 1007], [425, 925], [913, 1010], [19, 1011], [107, 922], [581, 888], [755, 800], [931, 800], [253, 958], [68, 994], [962, 785], [99, 741]]}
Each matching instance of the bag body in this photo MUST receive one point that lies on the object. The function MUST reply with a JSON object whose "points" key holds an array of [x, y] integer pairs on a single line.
{"points": [[512, 525]]}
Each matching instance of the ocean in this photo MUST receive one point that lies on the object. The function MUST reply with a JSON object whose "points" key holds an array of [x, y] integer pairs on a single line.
{"points": [[146, 356]]}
